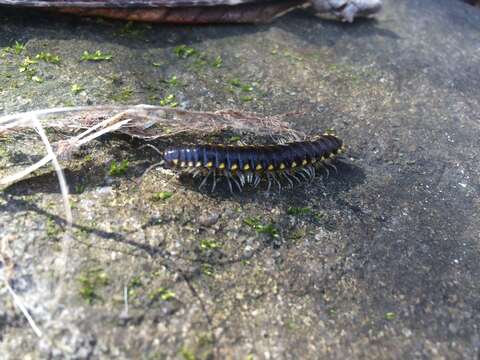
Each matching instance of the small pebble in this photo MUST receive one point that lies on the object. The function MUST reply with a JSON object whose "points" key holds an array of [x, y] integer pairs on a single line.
{"points": [[208, 219]]}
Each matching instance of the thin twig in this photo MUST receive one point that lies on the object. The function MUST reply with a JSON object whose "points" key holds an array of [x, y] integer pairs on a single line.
{"points": [[19, 303], [7, 271], [58, 169], [21, 174]]}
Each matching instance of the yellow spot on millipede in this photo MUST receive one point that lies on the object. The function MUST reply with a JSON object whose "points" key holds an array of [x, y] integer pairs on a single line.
{"points": [[271, 167], [304, 162], [175, 162], [234, 167], [294, 164], [183, 164], [221, 166], [246, 167], [198, 164], [258, 167], [282, 166], [209, 164], [190, 164]]}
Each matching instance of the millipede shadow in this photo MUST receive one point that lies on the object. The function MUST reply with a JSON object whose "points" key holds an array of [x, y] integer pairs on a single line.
{"points": [[86, 178], [333, 182]]}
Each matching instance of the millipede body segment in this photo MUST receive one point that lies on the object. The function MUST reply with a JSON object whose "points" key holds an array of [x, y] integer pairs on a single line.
{"points": [[241, 165]]}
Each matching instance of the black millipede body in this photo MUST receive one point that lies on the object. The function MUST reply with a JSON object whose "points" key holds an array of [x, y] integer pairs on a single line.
{"points": [[249, 164]]}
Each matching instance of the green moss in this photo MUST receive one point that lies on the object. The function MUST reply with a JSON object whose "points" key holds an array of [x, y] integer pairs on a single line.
{"points": [[209, 244], [76, 89], [268, 229], [162, 195], [217, 62], [244, 91], [234, 139], [118, 169], [208, 270], [162, 294], [187, 354], [184, 51], [98, 55], [293, 57], [17, 48], [124, 95], [199, 63], [247, 88], [90, 281], [169, 100], [172, 81], [297, 211], [80, 188], [37, 79], [134, 284], [52, 228], [27, 67], [235, 82], [390, 316], [246, 98], [48, 57], [296, 234], [332, 312], [291, 325]]}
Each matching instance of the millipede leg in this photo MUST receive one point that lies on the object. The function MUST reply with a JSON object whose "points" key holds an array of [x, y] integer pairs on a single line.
{"points": [[196, 173], [308, 172], [302, 175], [269, 182], [296, 178], [325, 168], [241, 177], [334, 167], [227, 176], [237, 183], [202, 184], [285, 175], [256, 180], [278, 182], [214, 181], [150, 168], [152, 147]]}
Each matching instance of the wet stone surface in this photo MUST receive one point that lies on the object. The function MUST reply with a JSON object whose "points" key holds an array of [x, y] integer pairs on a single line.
{"points": [[379, 260]]}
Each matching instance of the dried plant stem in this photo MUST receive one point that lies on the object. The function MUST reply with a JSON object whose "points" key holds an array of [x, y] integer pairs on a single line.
{"points": [[58, 169], [25, 172], [19, 303]]}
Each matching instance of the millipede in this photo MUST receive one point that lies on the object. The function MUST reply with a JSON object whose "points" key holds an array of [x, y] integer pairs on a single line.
{"points": [[249, 165]]}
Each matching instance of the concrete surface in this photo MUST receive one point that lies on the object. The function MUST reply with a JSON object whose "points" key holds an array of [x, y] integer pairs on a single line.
{"points": [[378, 261]]}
